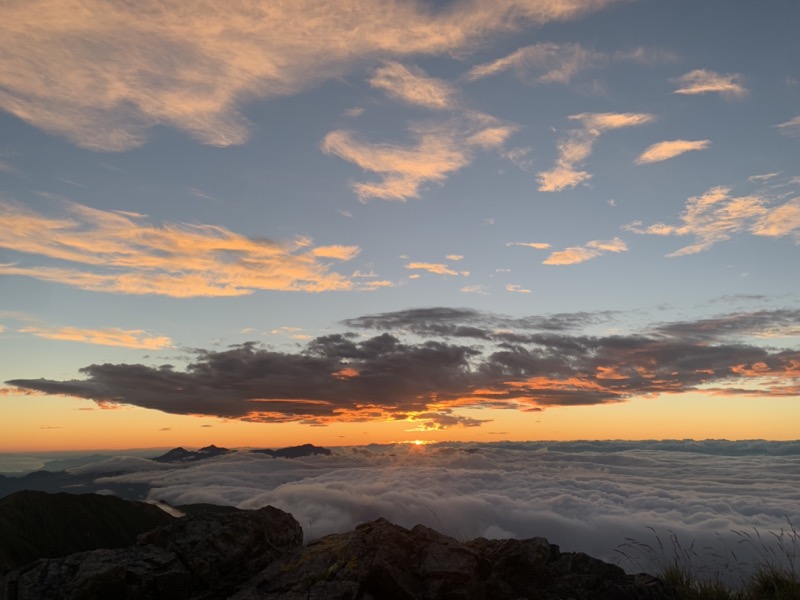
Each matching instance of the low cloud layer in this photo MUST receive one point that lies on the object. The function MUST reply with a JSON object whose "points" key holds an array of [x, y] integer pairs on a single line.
{"points": [[584, 496], [428, 363]]}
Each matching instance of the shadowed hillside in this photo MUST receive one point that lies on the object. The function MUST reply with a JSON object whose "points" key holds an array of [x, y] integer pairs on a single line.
{"points": [[36, 525]]}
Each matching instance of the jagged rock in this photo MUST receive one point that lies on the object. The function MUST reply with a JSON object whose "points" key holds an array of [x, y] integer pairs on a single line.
{"points": [[377, 559], [534, 568], [198, 557], [130, 573], [224, 549], [382, 561]]}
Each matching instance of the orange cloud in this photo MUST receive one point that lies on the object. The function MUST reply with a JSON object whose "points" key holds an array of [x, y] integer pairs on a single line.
{"points": [[579, 254], [702, 81], [122, 68], [577, 146], [666, 150], [560, 62], [130, 338], [537, 245], [435, 268], [440, 149], [114, 252], [413, 86], [717, 215]]}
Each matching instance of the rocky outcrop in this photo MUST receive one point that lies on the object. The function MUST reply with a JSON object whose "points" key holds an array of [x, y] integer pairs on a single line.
{"points": [[383, 561], [258, 555], [198, 557]]}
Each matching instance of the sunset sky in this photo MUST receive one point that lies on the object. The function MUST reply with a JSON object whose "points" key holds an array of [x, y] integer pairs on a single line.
{"points": [[265, 224]]}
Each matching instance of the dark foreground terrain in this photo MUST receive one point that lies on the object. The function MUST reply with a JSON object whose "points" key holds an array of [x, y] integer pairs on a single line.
{"points": [[100, 547]]}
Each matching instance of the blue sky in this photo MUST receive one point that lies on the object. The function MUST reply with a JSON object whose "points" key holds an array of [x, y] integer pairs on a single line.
{"points": [[180, 178]]}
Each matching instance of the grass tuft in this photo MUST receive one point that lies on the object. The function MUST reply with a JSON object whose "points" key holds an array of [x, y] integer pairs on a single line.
{"points": [[706, 574]]}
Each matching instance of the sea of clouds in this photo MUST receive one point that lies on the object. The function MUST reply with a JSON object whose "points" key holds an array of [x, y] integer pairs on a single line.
{"points": [[592, 497]]}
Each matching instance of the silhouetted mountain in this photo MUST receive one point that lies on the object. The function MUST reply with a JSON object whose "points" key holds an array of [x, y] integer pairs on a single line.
{"points": [[258, 554], [179, 455], [295, 451], [47, 481], [87, 482]]}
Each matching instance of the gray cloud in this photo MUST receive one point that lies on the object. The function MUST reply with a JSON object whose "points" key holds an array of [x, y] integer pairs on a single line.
{"points": [[464, 359]]}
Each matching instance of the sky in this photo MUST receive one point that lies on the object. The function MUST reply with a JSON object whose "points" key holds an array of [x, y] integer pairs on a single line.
{"points": [[355, 222]]}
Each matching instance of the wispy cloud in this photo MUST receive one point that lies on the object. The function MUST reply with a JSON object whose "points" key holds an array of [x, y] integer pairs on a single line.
{"points": [[108, 251], [8, 168], [121, 69], [413, 86], [474, 289], [111, 336], [702, 81], [717, 215], [520, 157], [558, 63], [537, 245], [579, 254], [435, 268], [577, 146], [670, 149], [440, 150], [512, 287], [790, 127]]}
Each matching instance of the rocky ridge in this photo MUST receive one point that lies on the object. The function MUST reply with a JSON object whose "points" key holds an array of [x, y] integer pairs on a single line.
{"points": [[259, 555]]}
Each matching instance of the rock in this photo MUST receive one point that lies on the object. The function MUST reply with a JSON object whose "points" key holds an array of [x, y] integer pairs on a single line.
{"points": [[123, 574], [223, 549], [199, 557], [382, 561], [378, 560]]}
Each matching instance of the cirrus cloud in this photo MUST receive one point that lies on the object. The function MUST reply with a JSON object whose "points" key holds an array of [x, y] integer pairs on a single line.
{"points": [[579, 254], [670, 149], [702, 81], [577, 146], [103, 74], [113, 251], [112, 336]]}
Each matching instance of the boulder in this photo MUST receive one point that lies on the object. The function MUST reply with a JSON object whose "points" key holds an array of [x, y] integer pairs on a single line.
{"points": [[199, 557]]}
